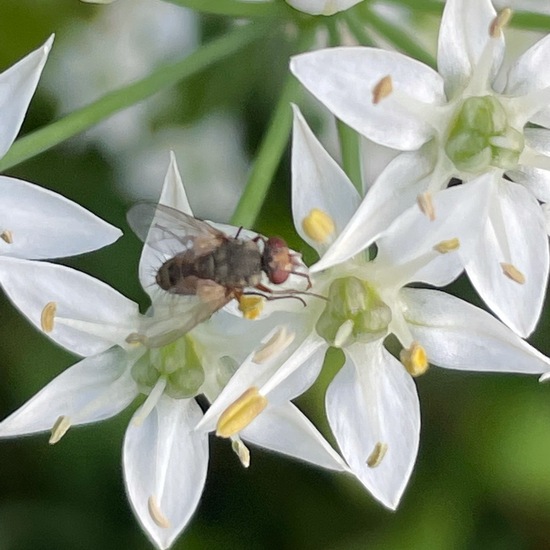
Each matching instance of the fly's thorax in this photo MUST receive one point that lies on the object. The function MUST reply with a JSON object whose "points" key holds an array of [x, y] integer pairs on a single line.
{"points": [[354, 313], [178, 362], [480, 136]]}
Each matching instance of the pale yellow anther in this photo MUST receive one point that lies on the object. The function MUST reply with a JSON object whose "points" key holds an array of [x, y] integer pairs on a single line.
{"points": [[241, 413], [251, 306], [499, 22], [318, 225], [47, 316], [383, 89], [278, 342], [444, 247], [156, 515], [7, 236], [426, 205], [415, 359], [241, 450], [59, 429], [378, 453], [513, 273]]}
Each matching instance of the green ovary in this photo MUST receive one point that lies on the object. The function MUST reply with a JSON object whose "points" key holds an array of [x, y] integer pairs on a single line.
{"points": [[178, 362], [354, 310], [480, 137]]}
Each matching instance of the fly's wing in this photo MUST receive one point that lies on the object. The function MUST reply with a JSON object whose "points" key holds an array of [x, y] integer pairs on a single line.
{"points": [[170, 231]]}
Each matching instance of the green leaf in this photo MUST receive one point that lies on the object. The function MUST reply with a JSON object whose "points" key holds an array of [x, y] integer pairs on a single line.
{"points": [[238, 8]]}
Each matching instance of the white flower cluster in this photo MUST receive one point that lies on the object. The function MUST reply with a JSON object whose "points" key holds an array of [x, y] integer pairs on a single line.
{"points": [[239, 319]]}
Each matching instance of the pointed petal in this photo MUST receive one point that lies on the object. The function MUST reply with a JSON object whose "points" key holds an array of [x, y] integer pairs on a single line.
{"points": [[284, 429], [344, 78], [391, 194], [43, 224], [165, 464], [514, 233], [463, 35], [17, 86], [32, 285], [529, 73], [458, 335], [322, 7], [94, 389], [318, 183], [373, 400]]}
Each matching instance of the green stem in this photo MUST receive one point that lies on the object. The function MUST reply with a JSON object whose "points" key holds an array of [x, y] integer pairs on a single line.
{"points": [[397, 37], [82, 119], [427, 6], [237, 8], [357, 28], [531, 21], [351, 159]]}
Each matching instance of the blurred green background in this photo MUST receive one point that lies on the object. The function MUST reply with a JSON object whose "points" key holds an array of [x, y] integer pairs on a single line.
{"points": [[482, 478]]}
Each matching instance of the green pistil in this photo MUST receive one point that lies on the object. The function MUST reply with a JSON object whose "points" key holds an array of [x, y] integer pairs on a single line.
{"points": [[178, 362], [354, 313], [480, 137]]}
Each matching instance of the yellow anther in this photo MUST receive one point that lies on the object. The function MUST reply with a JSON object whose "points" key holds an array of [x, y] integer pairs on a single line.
{"points": [[7, 236], [251, 306], [378, 453], [241, 450], [382, 90], [318, 225], [241, 413], [280, 340], [59, 429], [47, 316], [499, 22], [426, 205], [444, 247], [156, 515], [513, 273], [415, 359]]}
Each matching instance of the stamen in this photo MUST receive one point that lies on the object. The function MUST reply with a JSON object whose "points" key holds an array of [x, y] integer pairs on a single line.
{"points": [[135, 338], [241, 413], [382, 90], [275, 345], [415, 359], [241, 450], [378, 453], [7, 236], [343, 333], [59, 429], [156, 515], [318, 225], [426, 205], [251, 306], [151, 401], [47, 316], [513, 273], [445, 247], [499, 22]]}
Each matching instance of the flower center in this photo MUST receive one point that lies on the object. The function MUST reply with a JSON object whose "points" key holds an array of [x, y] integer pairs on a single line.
{"points": [[177, 362], [354, 313], [481, 136]]}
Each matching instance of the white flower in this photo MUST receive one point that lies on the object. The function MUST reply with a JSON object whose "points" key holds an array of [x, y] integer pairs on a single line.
{"points": [[372, 405], [34, 222], [456, 124], [322, 7], [164, 457]]}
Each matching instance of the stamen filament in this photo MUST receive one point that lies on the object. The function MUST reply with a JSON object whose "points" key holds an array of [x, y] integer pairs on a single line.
{"points": [[151, 401], [275, 345], [59, 429]]}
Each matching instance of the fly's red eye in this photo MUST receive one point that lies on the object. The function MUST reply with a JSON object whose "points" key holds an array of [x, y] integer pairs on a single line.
{"points": [[278, 276], [276, 243]]}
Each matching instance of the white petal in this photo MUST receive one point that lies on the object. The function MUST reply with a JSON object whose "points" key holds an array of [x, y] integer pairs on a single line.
{"points": [[463, 35], [32, 285], [531, 72], [514, 233], [322, 7], [392, 193], [94, 389], [165, 464], [44, 224], [318, 182], [17, 86], [284, 429], [373, 400], [458, 335], [344, 78]]}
